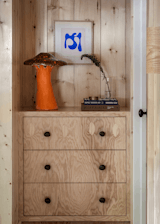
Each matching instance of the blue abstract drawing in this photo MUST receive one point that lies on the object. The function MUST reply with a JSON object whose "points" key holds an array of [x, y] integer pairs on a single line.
{"points": [[74, 45]]}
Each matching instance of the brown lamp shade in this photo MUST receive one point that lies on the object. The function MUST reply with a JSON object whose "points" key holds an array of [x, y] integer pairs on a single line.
{"points": [[45, 59]]}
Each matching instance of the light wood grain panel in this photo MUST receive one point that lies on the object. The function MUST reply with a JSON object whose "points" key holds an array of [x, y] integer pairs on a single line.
{"points": [[66, 133], [75, 166], [128, 52], [6, 181], [87, 78], [153, 49], [115, 133], [153, 148], [130, 127], [34, 36], [62, 77], [153, 124], [78, 199], [129, 160], [77, 218], [75, 223], [16, 99], [74, 133], [113, 46], [20, 166], [77, 81], [72, 112]]}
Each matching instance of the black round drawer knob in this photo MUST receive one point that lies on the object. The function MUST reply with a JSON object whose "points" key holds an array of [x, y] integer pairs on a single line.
{"points": [[102, 200], [102, 133], [102, 167], [47, 134], [48, 200], [47, 167]]}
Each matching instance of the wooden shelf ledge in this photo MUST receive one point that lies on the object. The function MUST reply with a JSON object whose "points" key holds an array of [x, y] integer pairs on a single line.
{"points": [[73, 111]]}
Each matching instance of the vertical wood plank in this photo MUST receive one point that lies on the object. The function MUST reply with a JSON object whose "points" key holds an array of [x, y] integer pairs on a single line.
{"points": [[16, 99], [6, 112], [20, 165], [129, 157], [113, 46], [150, 153], [62, 77], [153, 130], [128, 52], [157, 146], [87, 78], [34, 35], [131, 118], [156, 15], [150, 131], [28, 48]]}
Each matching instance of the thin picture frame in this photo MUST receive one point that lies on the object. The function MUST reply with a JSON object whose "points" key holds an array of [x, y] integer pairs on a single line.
{"points": [[73, 39]]}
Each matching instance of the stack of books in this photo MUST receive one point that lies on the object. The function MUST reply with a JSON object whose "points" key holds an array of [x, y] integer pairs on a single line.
{"points": [[100, 104]]}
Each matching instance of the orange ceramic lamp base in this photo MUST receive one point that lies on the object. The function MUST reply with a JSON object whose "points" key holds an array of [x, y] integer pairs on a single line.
{"points": [[45, 99], [44, 63]]}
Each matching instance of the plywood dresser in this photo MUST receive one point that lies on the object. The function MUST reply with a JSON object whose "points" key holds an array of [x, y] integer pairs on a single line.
{"points": [[74, 166]]}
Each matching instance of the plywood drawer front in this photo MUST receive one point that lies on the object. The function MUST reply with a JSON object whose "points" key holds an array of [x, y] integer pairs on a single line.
{"points": [[74, 133], [74, 166], [65, 133], [114, 129], [74, 199]]}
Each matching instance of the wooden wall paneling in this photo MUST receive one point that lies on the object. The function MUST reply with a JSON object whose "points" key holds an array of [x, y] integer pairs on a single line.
{"points": [[128, 52], [150, 153], [153, 49], [153, 129], [16, 98], [6, 113], [129, 158], [87, 77], [34, 36], [28, 49], [131, 121], [157, 144], [113, 46], [40, 32], [62, 77], [20, 165], [129, 100]]}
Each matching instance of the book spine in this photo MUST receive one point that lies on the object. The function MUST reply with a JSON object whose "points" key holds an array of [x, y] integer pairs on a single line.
{"points": [[103, 102]]}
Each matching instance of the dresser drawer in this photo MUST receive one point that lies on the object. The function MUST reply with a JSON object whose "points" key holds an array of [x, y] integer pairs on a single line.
{"points": [[74, 133], [108, 132], [74, 199], [75, 166], [65, 133]]}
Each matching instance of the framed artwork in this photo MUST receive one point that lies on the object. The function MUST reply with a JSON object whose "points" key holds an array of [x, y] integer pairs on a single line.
{"points": [[72, 39]]}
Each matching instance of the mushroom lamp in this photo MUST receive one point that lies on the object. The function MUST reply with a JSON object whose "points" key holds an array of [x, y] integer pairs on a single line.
{"points": [[44, 63]]}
